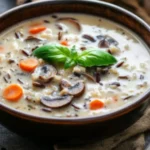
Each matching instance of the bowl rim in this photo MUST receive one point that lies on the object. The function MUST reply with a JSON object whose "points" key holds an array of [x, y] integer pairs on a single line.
{"points": [[80, 120]]}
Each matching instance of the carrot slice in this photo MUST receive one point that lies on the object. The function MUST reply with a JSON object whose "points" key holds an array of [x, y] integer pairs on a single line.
{"points": [[28, 64], [13, 93], [65, 43], [37, 29], [96, 104]]}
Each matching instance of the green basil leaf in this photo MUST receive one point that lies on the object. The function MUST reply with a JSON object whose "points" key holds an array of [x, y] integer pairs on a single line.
{"points": [[74, 53], [53, 53], [95, 57], [69, 63], [70, 57]]}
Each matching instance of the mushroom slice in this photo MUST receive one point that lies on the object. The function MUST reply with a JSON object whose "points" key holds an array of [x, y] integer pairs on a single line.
{"points": [[77, 89], [78, 71], [64, 84], [32, 39], [39, 85], [72, 21], [111, 40], [44, 73], [56, 102], [103, 44], [88, 76], [89, 37], [106, 41], [100, 37]]}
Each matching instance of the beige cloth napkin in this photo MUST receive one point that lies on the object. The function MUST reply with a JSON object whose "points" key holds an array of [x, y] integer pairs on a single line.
{"points": [[130, 139]]}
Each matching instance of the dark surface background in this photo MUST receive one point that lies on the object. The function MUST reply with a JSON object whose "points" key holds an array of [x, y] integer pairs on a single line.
{"points": [[6, 4], [11, 141]]}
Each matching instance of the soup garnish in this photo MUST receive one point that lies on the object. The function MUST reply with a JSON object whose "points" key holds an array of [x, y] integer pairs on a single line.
{"points": [[70, 57]]}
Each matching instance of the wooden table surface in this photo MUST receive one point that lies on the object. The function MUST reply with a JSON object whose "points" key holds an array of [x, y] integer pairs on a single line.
{"points": [[11, 141]]}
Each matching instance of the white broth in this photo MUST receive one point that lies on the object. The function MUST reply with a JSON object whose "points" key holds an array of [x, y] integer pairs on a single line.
{"points": [[47, 89]]}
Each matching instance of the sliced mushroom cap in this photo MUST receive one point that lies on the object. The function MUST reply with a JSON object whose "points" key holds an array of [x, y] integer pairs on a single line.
{"points": [[72, 21], [56, 102], [103, 44], [77, 89], [44, 73], [105, 41], [39, 85], [111, 40], [78, 71], [64, 84], [89, 37], [88, 76], [32, 39], [100, 37]]}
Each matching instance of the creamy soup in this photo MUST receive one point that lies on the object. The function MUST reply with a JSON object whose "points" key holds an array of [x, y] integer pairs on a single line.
{"points": [[71, 65]]}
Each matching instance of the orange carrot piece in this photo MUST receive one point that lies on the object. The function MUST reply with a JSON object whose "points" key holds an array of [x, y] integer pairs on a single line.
{"points": [[13, 93], [65, 43], [96, 104], [37, 29], [28, 64]]}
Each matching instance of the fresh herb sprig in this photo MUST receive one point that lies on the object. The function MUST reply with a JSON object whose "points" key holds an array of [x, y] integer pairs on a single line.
{"points": [[70, 57]]}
